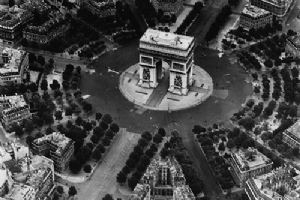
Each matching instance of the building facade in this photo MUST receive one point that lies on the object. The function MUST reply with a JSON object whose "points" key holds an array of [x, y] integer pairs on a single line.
{"points": [[12, 22], [293, 46], [13, 110], [163, 180], [280, 184], [177, 51], [31, 178], [101, 8], [57, 147], [247, 163], [292, 135], [13, 63], [276, 7], [168, 6], [253, 17], [55, 27]]}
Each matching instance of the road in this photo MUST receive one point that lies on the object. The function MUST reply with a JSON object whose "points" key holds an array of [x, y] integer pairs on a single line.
{"points": [[205, 19]]}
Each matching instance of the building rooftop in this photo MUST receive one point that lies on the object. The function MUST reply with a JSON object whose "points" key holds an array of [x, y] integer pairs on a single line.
{"points": [[20, 191], [10, 19], [276, 2], [294, 131], [55, 20], [249, 159], [28, 164], [36, 177], [10, 61], [3, 177], [100, 3], [4, 155], [295, 40], [180, 191], [254, 11], [168, 40], [56, 138], [10, 104], [280, 179]]}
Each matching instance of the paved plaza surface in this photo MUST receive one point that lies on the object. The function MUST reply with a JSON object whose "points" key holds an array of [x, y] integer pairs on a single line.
{"points": [[159, 98], [230, 91]]}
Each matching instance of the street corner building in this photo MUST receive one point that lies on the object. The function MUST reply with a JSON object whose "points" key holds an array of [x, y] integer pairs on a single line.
{"points": [[57, 147], [163, 180], [247, 163]]}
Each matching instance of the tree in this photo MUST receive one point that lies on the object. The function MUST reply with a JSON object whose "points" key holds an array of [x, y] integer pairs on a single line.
{"points": [[17, 129], [106, 141], [162, 132], [198, 129], [33, 87], [31, 58], [248, 123], [75, 166], [29, 140], [107, 119], [97, 154], [55, 85], [58, 115], [114, 127], [72, 191], [103, 125], [83, 154], [147, 135], [98, 116], [11, 3], [41, 60], [157, 138], [98, 131], [60, 189], [44, 85], [221, 147], [87, 107], [173, 18], [108, 197], [230, 143], [87, 169], [79, 121], [28, 125], [121, 178]]}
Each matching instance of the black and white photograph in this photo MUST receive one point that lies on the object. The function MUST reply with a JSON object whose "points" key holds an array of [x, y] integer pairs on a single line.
{"points": [[149, 99]]}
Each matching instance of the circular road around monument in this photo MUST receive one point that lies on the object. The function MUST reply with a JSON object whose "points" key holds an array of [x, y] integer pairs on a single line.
{"points": [[231, 87]]}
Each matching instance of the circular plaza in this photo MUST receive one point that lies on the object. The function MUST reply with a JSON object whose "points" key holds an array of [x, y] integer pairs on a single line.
{"points": [[159, 98]]}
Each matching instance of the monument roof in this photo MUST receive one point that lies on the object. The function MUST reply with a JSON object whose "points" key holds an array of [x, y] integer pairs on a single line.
{"points": [[167, 39]]}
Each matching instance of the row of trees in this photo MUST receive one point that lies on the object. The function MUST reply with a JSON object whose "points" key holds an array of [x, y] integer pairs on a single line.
{"points": [[219, 23], [106, 130], [146, 9], [140, 158], [176, 148], [189, 19]]}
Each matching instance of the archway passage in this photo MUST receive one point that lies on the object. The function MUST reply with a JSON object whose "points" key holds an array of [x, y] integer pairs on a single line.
{"points": [[159, 92]]}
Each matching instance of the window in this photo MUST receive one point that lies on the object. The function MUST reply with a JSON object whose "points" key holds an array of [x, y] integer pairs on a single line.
{"points": [[147, 60], [178, 66]]}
